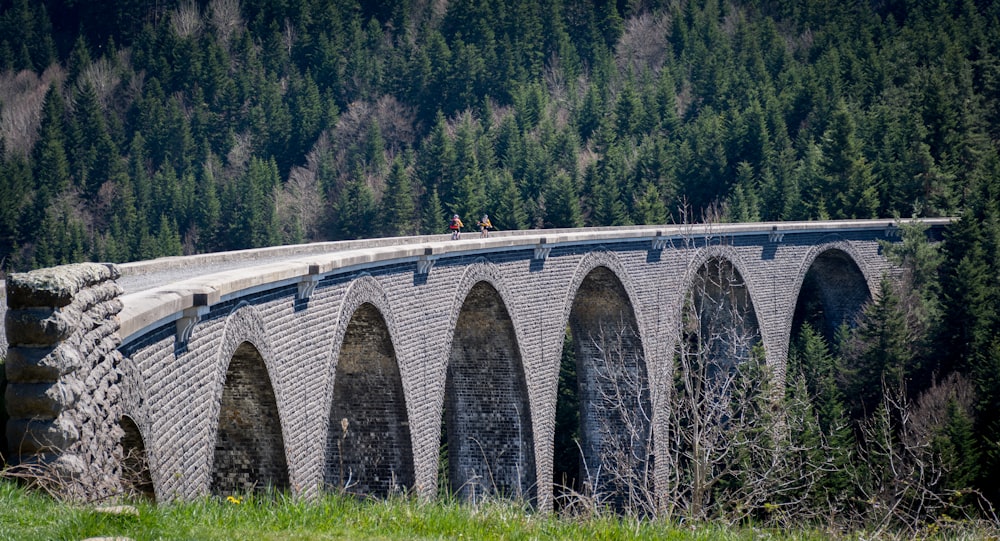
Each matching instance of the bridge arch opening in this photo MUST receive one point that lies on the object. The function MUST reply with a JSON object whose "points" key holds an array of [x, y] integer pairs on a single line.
{"points": [[249, 447], [486, 429], [833, 292], [135, 464], [603, 445], [719, 322], [717, 393], [369, 449]]}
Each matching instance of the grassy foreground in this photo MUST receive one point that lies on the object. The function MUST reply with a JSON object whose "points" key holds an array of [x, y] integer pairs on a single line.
{"points": [[25, 515]]}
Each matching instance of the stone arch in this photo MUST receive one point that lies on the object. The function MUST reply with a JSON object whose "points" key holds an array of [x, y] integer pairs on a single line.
{"points": [[139, 460], [487, 417], [136, 474], [723, 297], [613, 408], [369, 447], [249, 451], [724, 261], [832, 286]]}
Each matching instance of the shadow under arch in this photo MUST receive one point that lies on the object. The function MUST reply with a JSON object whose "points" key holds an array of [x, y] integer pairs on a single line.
{"points": [[833, 292], [249, 446], [719, 322], [136, 475], [487, 421], [603, 411], [369, 450]]}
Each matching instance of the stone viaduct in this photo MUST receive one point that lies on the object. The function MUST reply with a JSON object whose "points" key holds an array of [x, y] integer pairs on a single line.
{"points": [[348, 364]]}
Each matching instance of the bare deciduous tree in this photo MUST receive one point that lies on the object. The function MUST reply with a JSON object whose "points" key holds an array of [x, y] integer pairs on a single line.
{"points": [[101, 75], [734, 448], [226, 18], [718, 382], [618, 469], [644, 43], [23, 95], [186, 21], [300, 205]]}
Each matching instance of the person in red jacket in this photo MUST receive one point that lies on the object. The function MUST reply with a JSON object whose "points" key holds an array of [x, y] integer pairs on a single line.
{"points": [[456, 227]]}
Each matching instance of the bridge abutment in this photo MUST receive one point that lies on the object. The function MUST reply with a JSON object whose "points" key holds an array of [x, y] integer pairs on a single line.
{"points": [[62, 372]]}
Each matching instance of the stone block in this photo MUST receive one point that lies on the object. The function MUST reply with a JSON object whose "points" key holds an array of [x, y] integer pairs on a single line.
{"points": [[37, 365], [38, 326], [30, 436], [55, 287], [41, 400]]}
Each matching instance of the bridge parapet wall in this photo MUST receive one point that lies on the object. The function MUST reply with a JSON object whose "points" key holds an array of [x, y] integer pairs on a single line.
{"points": [[62, 375]]}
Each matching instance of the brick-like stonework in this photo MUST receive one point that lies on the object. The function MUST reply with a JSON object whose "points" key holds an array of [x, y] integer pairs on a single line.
{"points": [[247, 382], [368, 449], [487, 415]]}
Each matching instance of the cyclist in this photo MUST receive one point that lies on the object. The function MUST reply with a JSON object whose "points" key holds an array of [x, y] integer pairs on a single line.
{"points": [[456, 227], [484, 226]]}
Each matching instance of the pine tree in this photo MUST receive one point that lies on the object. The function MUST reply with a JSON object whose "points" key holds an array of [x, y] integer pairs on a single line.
{"points": [[745, 201], [433, 218], [609, 209], [168, 240], [52, 170], [566, 459], [562, 203], [958, 448], [883, 356], [650, 208], [247, 209], [398, 214], [849, 172], [356, 210], [15, 188], [79, 59], [208, 210], [437, 157], [508, 208]]}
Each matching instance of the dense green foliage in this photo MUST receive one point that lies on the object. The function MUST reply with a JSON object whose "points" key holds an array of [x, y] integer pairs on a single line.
{"points": [[908, 394], [132, 129]]}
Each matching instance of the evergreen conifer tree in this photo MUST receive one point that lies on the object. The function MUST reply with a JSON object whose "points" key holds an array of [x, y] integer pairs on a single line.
{"points": [[433, 219], [398, 214]]}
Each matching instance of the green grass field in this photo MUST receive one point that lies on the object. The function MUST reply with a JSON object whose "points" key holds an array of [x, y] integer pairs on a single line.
{"points": [[26, 515]]}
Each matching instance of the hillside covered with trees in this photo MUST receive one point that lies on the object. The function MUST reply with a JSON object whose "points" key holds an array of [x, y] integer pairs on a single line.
{"points": [[135, 129]]}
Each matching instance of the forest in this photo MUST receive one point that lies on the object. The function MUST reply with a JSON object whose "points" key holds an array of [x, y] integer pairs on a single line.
{"points": [[134, 129]]}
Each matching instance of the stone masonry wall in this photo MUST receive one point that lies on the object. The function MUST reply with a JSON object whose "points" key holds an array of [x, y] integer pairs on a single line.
{"points": [[249, 448], [368, 446], [70, 383], [302, 342], [487, 414], [62, 371]]}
